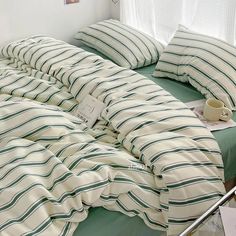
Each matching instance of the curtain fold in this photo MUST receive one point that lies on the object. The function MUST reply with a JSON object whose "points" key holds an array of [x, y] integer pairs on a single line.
{"points": [[160, 18]]}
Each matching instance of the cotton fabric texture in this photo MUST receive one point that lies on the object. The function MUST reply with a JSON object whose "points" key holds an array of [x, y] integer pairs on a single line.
{"points": [[124, 45], [207, 63], [147, 155]]}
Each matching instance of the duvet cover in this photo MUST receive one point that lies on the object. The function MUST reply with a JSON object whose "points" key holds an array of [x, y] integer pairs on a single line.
{"points": [[147, 155]]}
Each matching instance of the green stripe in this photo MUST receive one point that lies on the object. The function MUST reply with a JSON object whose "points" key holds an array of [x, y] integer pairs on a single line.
{"points": [[181, 165], [195, 180], [195, 200], [180, 150]]}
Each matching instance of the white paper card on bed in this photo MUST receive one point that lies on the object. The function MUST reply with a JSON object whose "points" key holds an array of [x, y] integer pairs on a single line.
{"points": [[89, 110]]}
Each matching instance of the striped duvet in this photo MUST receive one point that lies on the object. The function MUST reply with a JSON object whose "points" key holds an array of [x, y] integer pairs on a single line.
{"points": [[148, 155]]}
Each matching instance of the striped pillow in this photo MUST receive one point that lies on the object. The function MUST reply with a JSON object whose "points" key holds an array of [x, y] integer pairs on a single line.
{"points": [[207, 63], [123, 44]]}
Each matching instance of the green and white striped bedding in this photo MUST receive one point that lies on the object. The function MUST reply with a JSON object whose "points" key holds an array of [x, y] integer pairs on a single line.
{"points": [[124, 45], [148, 155], [207, 63]]}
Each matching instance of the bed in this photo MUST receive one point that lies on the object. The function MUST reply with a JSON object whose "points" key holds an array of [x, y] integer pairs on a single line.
{"points": [[133, 226], [186, 93], [42, 82]]}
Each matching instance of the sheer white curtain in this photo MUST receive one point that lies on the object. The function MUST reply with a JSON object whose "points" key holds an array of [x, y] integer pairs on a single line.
{"points": [[160, 18]]}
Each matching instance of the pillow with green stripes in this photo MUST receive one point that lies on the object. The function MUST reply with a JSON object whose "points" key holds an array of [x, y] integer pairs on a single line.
{"points": [[121, 43], [207, 63]]}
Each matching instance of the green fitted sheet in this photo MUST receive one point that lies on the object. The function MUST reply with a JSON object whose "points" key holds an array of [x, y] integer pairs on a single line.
{"points": [[102, 222]]}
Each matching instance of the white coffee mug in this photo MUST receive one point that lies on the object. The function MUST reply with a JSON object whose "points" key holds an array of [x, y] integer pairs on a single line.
{"points": [[215, 110]]}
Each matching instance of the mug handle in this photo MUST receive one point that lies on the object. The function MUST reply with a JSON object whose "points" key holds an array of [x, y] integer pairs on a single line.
{"points": [[226, 114]]}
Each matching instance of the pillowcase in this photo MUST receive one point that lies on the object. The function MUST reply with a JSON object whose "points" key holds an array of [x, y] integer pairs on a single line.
{"points": [[207, 63], [121, 43]]}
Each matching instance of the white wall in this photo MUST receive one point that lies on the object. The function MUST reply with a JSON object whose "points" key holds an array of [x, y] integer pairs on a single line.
{"points": [[22, 18]]}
